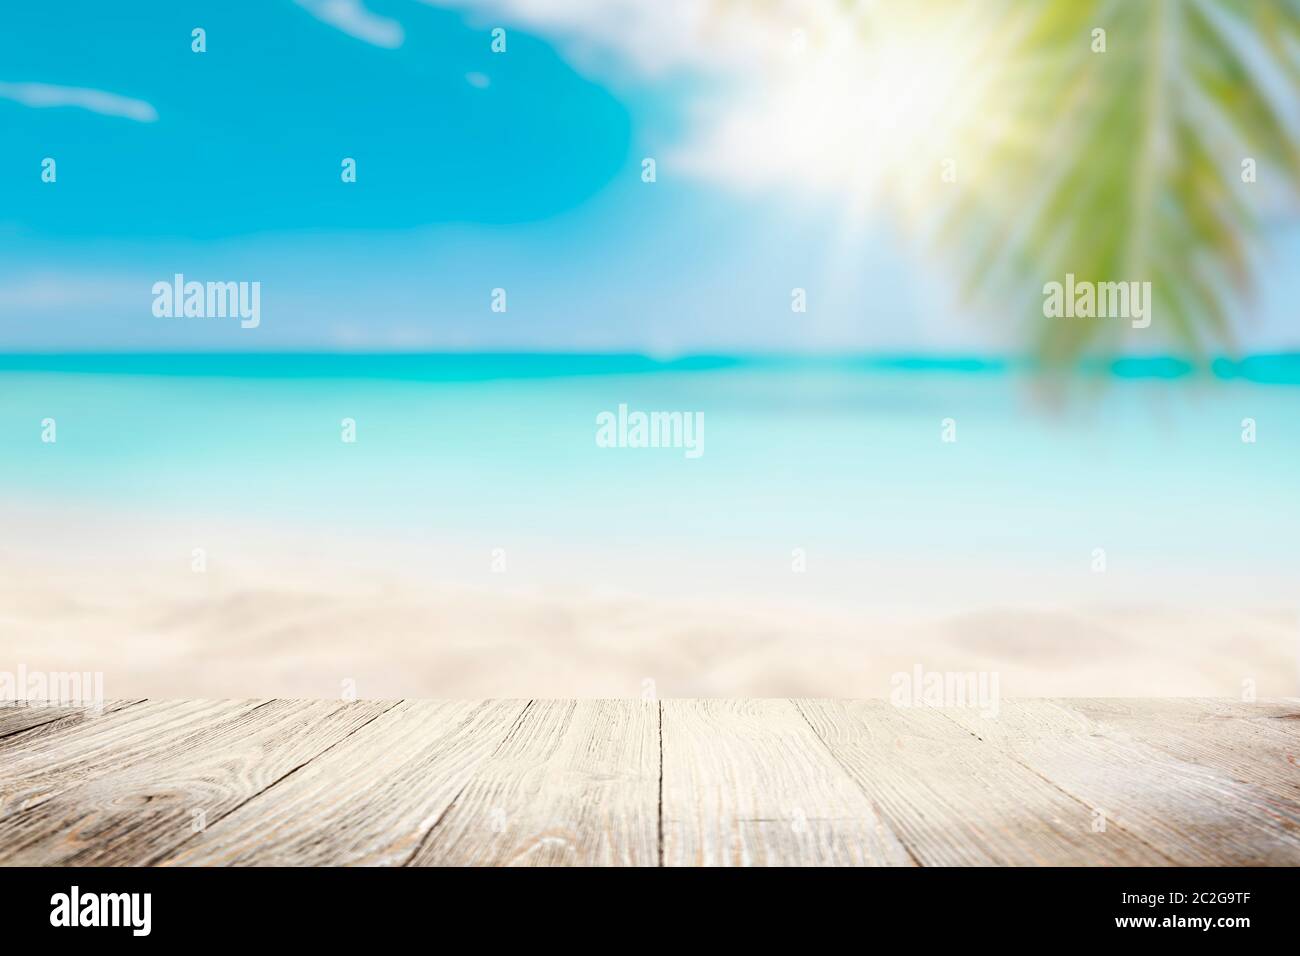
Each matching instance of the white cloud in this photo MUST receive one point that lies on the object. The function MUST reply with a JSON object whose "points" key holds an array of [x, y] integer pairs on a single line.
{"points": [[42, 95], [850, 104], [766, 111], [354, 19], [647, 36], [653, 38]]}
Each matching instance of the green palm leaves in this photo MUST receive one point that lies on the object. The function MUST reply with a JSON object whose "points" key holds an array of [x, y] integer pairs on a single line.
{"points": [[1149, 152]]}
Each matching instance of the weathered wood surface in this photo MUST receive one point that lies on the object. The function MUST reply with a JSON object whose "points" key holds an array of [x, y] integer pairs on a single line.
{"points": [[576, 781], [748, 782], [956, 801], [372, 799], [645, 783]]}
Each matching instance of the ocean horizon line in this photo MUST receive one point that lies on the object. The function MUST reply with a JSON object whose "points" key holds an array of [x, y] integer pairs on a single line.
{"points": [[1281, 368]]}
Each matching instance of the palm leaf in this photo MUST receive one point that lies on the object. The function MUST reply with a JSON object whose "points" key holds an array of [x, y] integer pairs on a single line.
{"points": [[1125, 165]]}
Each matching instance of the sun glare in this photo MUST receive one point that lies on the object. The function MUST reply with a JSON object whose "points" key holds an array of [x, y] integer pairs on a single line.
{"points": [[872, 113]]}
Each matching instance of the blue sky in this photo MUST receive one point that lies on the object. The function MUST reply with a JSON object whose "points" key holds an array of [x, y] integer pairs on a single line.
{"points": [[476, 170], [250, 133]]}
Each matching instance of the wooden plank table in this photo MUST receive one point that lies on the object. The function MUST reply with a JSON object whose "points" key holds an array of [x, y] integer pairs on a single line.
{"points": [[650, 783]]}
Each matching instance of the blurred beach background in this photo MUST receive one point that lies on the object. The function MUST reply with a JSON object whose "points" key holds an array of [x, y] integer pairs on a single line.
{"points": [[917, 469]]}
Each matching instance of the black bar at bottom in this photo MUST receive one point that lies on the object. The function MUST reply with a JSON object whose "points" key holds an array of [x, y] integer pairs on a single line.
{"points": [[659, 907]]}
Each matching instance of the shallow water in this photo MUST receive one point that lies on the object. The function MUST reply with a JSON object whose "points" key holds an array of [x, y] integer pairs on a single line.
{"points": [[840, 465]]}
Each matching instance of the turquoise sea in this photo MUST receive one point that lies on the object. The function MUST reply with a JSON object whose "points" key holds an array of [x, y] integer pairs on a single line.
{"points": [[841, 457]]}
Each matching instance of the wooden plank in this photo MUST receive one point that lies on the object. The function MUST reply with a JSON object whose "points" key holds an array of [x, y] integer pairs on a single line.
{"points": [[1193, 814], [1257, 743], [747, 782], [955, 800], [1208, 782], [371, 800], [575, 783], [17, 717], [150, 801], [49, 759]]}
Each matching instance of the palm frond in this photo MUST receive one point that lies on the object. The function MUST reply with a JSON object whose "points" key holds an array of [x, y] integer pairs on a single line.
{"points": [[1126, 165]]}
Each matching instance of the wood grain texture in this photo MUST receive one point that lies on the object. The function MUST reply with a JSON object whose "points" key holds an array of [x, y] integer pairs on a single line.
{"points": [[1190, 813], [575, 783], [748, 782], [20, 716], [955, 800], [1257, 743], [371, 800], [677, 783], [151, 800], [51, 758]]}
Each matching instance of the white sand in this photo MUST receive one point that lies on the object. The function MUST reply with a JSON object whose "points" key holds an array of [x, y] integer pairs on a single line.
{"points": [[96, 594], [397, 641]]}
